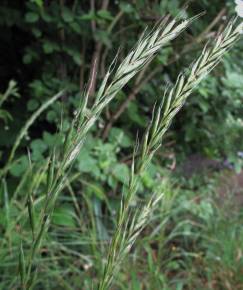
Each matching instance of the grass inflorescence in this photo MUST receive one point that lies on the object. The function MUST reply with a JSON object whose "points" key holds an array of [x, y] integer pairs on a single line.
{"points": [[58, 169], [172, 101]]}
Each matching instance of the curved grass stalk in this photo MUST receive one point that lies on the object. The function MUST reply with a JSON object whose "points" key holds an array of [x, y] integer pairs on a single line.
{"points": [[129, 226], [11, 90], [143, 53], [25, 129]]}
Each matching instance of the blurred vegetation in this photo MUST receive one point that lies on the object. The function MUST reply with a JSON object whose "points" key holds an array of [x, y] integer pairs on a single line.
{"points": [[194, 239]]}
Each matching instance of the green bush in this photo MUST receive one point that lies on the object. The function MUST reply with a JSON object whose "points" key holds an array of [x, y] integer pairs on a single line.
{"points": [[67, 159]]}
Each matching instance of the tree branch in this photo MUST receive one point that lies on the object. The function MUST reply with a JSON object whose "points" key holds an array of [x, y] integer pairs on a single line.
{"points": [[97, 51]]}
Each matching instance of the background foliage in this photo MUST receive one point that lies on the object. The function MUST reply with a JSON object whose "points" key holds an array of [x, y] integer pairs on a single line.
{"points": [[50, 45]]}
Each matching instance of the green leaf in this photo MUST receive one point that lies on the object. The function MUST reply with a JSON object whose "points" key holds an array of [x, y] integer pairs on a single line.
{"points": [[37, 33], [31, 212], [126, 7], [173, 265], [67, 15], [89, 16], [38, 147], [105, 14], [22, 266], [102, 231], [51, 116], [5, 116], [135, 115], [77, 59], [27, 58], [31, 17], [147, 180], [233, 80], [19, 167], [103, 37], [118, 136], [46, 17], [52, 140], [164, 55], [75, 54], [96, 189], [171, 6], [86, 161], [50, 47], [64, 216], [76, 27], [121, 172], [204, 105], [32, 105], [38, 2]]}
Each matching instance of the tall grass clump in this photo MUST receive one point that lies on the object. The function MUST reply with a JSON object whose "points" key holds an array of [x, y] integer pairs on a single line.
{"points": [[59, 164], [129, 224]]}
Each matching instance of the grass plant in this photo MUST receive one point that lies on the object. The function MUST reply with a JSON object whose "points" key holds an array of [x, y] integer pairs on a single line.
{"points": [[172, 101], [143, 52]]}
